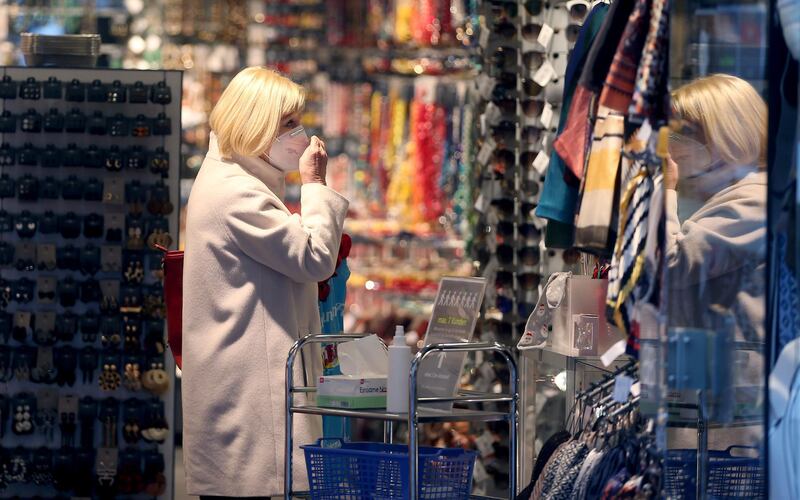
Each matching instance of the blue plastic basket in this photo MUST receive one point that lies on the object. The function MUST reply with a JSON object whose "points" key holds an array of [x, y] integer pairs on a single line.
{"points": [[729, 476], [338, 470]]}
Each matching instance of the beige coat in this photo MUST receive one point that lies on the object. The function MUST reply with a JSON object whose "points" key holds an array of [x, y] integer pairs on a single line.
{"points": [[718, 257], [250, 291]]}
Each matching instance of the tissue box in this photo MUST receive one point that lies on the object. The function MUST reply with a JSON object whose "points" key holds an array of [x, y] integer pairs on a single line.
{"points": [[342, 391]]}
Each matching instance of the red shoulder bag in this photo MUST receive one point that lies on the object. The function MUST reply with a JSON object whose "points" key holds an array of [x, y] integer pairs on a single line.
{"points": [[172, 263]]}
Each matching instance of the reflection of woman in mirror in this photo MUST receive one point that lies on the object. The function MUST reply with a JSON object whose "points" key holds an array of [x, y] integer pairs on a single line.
{"points": [[717, 256], [718, 159]]}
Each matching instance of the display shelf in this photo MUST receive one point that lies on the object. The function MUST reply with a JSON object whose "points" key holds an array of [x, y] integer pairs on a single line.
{"points": [[416, 415]]}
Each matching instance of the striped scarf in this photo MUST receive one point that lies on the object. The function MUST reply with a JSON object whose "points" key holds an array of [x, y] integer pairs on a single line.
{"points": [[594, 223]]}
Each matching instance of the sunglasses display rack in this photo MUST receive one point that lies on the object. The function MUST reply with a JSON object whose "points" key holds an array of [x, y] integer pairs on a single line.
{"points": [[526, 46], [88, 189]]}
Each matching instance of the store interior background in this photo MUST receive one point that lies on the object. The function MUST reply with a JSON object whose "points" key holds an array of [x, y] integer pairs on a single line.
{"points": [[382, 76]]}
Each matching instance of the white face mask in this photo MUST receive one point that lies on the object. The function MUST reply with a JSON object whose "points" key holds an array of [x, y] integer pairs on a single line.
{"points": [[287, 149]]}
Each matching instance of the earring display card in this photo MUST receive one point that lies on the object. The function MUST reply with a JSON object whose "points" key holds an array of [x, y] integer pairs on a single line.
{"points": [[90, 162]]}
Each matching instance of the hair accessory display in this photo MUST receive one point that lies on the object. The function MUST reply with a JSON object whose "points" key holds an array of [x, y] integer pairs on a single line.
{"points": [[118, 126], [96, 92], [28, 190], [94, 157], [53, 121], [8, 88], [75, 91], [75, 121], [7, 155], [7, 186], [96, 124], [8, 122], [138, 93], [51, 156], [28, 155], [116, 92], [30, 89], [109, 378], [160, 93], [54, 322], [52, 88]]}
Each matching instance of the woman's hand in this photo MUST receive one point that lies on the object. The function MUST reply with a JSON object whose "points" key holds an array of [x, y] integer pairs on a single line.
{"points": [[671, 174], [314, 162]]}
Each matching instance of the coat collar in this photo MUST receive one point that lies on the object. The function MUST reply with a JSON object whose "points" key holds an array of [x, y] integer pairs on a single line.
{"points": [[273, 178]]}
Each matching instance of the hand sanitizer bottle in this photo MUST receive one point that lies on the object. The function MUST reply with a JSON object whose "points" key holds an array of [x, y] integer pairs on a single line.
{"points": [[399, 369]]}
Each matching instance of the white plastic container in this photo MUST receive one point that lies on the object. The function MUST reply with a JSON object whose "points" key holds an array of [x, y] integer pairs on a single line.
{"points": [[399, 369]]}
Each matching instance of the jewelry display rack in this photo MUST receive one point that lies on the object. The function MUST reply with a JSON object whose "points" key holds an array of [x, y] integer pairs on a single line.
{"points": [[417, 415], [128, 148]]}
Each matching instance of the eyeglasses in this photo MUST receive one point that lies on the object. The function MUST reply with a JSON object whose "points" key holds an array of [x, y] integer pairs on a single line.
{"points": [[578, 9]]}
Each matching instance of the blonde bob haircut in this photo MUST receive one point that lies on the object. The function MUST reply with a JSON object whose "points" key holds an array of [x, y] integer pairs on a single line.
{"points": [[248, 115], [729, 115]]}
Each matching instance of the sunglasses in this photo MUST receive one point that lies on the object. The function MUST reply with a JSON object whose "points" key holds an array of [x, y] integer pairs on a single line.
{"points": [[528, 232], [505, 133], [533, 59], [529, 281], [573, 31], [532, 107], [531, 88], [504, 10], [505, 29], [530, 32], [535, 7], [578, 9], [504, 57], [531, 135], [502, 161], [571, 256]]}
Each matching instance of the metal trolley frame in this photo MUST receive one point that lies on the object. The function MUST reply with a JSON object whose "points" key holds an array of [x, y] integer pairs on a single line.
{"points": [[416, 415]]}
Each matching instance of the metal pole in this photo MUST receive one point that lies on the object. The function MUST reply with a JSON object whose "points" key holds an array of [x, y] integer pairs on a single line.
{"points": [[513, 453], [388, 432], [413, 428], [702, 447], [289, 445]]}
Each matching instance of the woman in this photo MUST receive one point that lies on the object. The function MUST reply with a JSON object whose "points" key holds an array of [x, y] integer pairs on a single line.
{"points": [[250, 286], [717, 257]]}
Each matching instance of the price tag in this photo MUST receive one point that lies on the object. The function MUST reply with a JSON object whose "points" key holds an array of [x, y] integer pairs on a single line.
{"points": [[544, 74], [480, 204], [483, 38], [485, 154], [622, 387], [541, 162], [485, 443], [547, 115], [485, 85], [613, 353], [545, 36], [493, 113]]}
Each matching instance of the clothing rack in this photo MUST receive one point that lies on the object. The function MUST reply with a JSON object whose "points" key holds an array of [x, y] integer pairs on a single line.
{"points": [[607, 381]]}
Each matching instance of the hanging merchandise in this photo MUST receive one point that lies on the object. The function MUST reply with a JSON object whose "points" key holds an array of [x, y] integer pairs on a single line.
{"points": [[83, 357], [559, 197], [606, 451]]}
